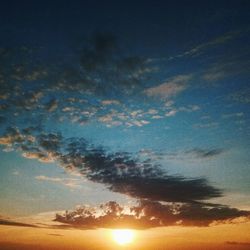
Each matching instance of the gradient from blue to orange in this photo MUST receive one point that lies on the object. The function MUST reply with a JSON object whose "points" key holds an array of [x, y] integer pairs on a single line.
{"points": [[164, 84]]}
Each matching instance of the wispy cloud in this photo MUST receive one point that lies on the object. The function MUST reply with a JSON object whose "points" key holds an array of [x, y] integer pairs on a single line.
{"points": [[194, 154], [8, 222], [241, 96], [233, 115], [197, 50], [170, 88], [68, 182], [225, 68], [58, 235], [237, 243], [207, 125], [205, 153]]}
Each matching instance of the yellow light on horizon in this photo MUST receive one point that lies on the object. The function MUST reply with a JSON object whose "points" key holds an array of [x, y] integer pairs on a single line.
{"points": [[123, 236]]}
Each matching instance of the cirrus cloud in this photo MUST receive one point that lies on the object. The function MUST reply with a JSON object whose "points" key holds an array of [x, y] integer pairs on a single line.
{"points": [[170, 88]]}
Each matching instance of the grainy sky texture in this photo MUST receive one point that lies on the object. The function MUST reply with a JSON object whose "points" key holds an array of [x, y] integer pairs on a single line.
{"points": [[121, 114]]}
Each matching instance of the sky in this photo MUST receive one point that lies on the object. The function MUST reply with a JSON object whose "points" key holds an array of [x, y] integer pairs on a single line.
{"points": [[129, 114]]}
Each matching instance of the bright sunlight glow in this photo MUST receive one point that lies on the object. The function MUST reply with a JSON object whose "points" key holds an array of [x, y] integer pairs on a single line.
{"points": [[123, 236]]}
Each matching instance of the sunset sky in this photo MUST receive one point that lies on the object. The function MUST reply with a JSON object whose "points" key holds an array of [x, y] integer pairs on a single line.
{"points": [[125, 115]]}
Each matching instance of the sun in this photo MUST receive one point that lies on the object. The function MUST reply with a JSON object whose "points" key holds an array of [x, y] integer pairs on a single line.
{"points": [[123, 236]]}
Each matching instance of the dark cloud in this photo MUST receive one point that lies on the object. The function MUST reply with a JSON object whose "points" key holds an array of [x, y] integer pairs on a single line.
{"points": [[118, 172], [148, 182], [50, 142], [109, 69], [98, 52], [58, 235], [238, 243], [52, 105], [122, 173], [2, 119], [205, 153], [148, 214], [14, 223], [99, 69], [186, 155]]}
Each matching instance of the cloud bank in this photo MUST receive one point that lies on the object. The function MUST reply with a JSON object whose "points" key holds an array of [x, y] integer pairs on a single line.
{"points": [[163, 199], [148, 214]]}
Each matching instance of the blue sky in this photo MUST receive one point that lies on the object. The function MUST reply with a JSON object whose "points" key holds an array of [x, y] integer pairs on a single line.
{"points": [[147, 86]]}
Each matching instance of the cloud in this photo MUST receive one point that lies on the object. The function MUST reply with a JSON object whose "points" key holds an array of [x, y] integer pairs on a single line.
{"points": [[170, 88], [42, 157], [110, 102], [195, 156], [8, 222], [102, 46], [127, 117], [226, 67], [233, 115], [124, 175], [106, 67], [118, 172], [58, 235], [171, 113], [12, 136], [206, 125], [15, 173], [197, 50], [157, 117], [85, 90], [237, 243], [189, 108], [68, 182], [141, 180], [100, 69], [148, 214], [190, 155], [214, 75], [241, 96], [2, 119], [205, 153], [52, 105]]}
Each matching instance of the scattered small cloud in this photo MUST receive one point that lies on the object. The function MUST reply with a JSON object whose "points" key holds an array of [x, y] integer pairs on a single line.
{"points": [[110, 102], [16, 173], [207, 125], [241, 96], [189, 108], [233, 115], [171, 113], [88, 93], [157, 117]]}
